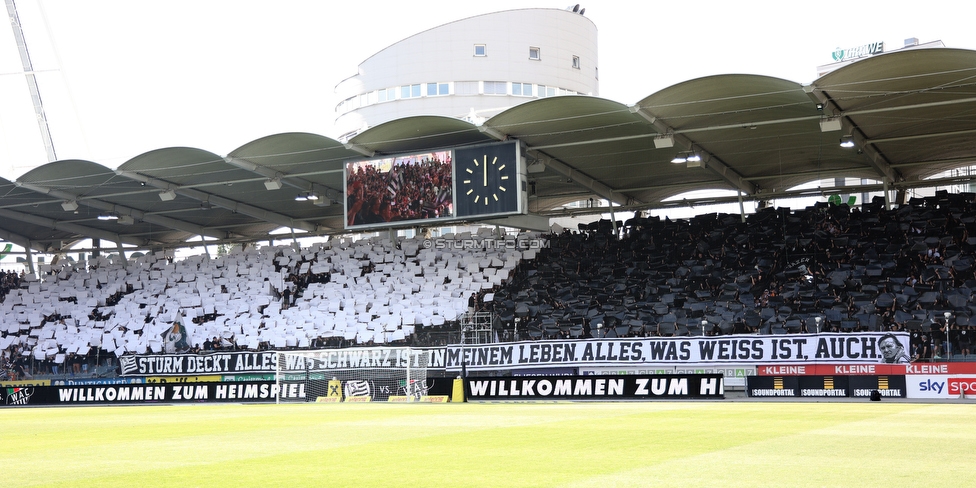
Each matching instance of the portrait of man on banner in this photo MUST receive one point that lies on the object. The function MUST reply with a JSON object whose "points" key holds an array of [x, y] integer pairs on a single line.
{"points": [[892, 350]]}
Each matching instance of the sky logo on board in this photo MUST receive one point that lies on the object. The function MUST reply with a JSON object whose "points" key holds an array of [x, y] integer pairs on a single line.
{"points": [[929, 385]]}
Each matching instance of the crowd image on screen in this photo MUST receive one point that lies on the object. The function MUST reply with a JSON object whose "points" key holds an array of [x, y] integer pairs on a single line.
{"points": [[413, 188]]}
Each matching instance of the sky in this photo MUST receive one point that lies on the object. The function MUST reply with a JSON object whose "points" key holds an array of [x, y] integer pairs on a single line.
{"points": [[121, 77]]}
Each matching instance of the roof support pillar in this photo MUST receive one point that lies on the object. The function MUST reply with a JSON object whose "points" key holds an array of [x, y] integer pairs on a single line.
{"points": [[232, 205], [162, 220], [560, 167], [742, 208], [877, 161], [69, 227], [887, 192], [295, 182], [16, 239], [582, 179], [713, 163], [206, 250], [30, 259], [613, 216], [365, 151], [125, 262]]}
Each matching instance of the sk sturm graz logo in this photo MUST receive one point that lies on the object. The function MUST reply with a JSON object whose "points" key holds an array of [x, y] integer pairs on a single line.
{"points": [[19, 396], [128, 365], [838, 54], [358, 388]]}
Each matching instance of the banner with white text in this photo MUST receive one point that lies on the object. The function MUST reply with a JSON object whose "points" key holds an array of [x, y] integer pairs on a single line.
{"points": [[198, 364], [854, 348], [247, 363], [734, 374], [602, 388], [239, 392], [660, 352]]}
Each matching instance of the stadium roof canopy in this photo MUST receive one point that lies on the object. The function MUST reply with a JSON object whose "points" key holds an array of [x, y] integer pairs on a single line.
{"points": [[911, 114]]}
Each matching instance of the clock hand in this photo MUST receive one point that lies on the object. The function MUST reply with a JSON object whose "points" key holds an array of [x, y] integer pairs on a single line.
{"points": [[486, 171]]}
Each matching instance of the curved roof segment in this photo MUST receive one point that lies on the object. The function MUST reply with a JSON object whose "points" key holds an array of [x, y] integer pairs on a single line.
{"points": [[912, 114], [915, 111]]}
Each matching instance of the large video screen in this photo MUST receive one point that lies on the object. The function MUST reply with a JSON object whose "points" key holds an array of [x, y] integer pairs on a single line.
{"points": [[394, 190]]}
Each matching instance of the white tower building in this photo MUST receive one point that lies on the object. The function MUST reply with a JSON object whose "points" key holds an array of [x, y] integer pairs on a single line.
{"points": [[473, 69]]}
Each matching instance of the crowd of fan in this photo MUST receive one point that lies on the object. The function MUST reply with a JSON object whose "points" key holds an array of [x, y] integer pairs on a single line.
{"points": [[16, 364], [408, 191], [16, 361], [860, 269], [156, 306], [826, 268], [8, 281]]}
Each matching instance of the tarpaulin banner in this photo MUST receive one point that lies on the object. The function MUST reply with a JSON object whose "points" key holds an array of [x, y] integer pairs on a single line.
{"points": [[255, 391], [734, 374], [244, 362], [841, 348], [738, 350], [603, 388], [197, 364]]}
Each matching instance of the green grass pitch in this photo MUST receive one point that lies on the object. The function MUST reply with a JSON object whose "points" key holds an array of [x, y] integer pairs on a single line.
{"points": [[670, 444]]}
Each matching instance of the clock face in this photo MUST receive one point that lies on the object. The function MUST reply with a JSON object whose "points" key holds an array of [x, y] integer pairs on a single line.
{"points": [[487, 180], [477, 180]]}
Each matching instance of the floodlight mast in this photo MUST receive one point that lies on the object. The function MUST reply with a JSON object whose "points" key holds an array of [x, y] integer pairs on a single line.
{"points": [[31, 80]]}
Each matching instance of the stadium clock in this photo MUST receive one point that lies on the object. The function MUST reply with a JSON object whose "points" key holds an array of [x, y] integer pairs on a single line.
{"points": [[486, 178]]}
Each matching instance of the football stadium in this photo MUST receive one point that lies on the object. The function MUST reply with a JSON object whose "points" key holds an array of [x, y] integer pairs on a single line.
{"points": [[739, 280]]}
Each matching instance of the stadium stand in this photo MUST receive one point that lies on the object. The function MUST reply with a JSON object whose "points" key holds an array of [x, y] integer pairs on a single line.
{"points": [[341, 292], [826, 268]]}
